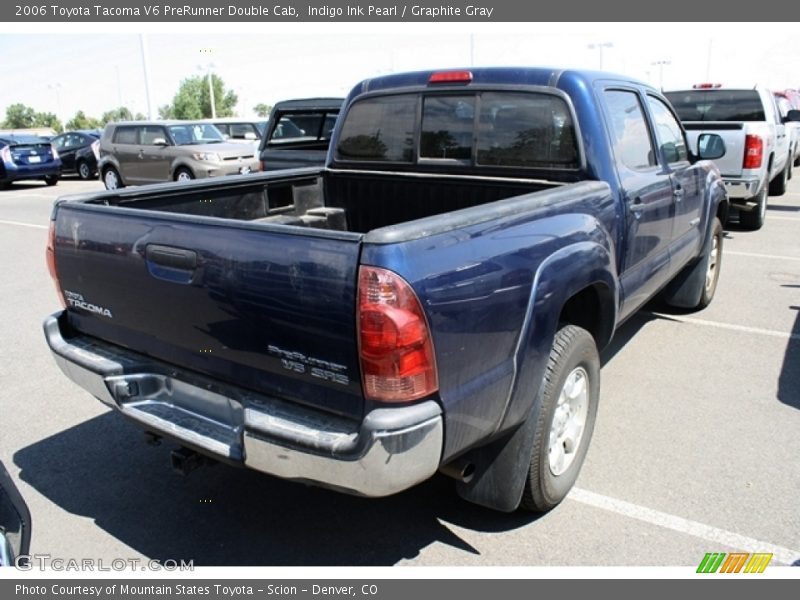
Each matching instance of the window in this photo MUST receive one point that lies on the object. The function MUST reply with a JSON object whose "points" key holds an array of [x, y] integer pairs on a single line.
{"points": [[526, 130], [187, 134], [717, 105], [447, 124], [630, 137], [152, 136], [668, 132], [379, 129], [240, 131], [126, 135], [301, 127]]}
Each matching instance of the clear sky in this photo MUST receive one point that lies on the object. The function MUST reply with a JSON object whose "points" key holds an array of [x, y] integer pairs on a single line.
{"points": [[62, 68]]}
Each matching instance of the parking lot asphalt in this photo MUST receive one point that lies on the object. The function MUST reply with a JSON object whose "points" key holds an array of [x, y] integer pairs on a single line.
{"points": [[695, 449]]}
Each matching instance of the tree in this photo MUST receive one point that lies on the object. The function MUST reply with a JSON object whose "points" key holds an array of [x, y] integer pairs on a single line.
{"points": [[193, 101], [48, 120], [81, 121], [122, 113], [19, 116], [262, 110]]}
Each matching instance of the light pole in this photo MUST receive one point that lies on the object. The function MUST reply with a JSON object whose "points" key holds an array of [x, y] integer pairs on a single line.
{"points": [[208, 67], [661, 64], [56, 87], [599, 47]]}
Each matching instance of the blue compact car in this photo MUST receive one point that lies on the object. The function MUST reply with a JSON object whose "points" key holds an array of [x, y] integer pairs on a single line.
{"points": [[28, 157]]}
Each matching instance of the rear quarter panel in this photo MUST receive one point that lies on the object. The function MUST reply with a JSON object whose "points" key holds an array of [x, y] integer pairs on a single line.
{"points": [[492, 292]]}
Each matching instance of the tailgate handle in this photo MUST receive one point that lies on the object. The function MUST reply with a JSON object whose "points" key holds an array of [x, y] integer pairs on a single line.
{"points": [[174, 258]]}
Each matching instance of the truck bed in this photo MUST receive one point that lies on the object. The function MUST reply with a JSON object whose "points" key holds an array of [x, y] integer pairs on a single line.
{"points": [[350, 201]]}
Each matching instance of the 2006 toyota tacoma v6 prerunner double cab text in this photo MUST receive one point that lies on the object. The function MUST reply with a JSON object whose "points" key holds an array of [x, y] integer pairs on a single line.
{"points": [[433, 299]]}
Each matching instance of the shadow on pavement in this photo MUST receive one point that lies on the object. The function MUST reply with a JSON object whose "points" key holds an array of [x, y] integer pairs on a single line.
{"points": [[222, 515], [789, 380]]}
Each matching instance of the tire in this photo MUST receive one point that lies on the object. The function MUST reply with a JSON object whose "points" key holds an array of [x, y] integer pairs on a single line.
{"points": [[694, 287], [754, 219], [111, 179], [570, 396], [777, 187], [184, 174], [51, 180], [84, 170]]}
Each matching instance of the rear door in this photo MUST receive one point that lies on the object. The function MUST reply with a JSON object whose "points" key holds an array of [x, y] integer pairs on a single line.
{"points": [[154, 154], [252, 305], [647, 193], [125, 147]]}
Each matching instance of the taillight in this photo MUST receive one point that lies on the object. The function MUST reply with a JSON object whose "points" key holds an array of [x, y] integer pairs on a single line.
{"points": [[51, 261], [96, 148], [5, 154], [54, 151], [753, 152], [397, 360]]}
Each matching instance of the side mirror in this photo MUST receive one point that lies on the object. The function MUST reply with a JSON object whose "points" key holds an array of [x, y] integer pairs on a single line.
{"points": [[670, 152], [160, 142], [250, 136], [15, 521], [793, 116], [710, 146]]}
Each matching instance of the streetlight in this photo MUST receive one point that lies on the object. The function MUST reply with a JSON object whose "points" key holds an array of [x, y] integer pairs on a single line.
{"points": [[660, 64], [56, 87], [208, 68], [599, 47]]}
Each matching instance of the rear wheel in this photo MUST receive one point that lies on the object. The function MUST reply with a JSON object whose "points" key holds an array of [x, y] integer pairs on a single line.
{"points": [[183, 174], [777, 187], [51, 179], [754, 219], [566, 418], [84, 170], [111, 179]]}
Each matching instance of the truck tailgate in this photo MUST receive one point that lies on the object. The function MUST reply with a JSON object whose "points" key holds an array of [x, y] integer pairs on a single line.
{"points": [[267, 308], [732, 134]]}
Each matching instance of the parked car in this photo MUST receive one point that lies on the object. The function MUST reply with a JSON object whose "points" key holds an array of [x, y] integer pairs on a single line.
{"points": [[299, 133], [758, 158], [434, 298], [28, 157], [239, 130], [79, 151], [790, 100], [140, 152]]}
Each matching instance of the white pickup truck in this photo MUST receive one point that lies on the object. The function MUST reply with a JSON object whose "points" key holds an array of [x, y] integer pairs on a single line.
{"points": [[758, 147]]}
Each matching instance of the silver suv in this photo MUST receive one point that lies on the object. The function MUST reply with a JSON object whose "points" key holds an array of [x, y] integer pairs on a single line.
{"points": [[140, 152]]}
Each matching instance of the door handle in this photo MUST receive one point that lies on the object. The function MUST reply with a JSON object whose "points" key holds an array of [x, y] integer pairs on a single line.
{"points": [[637, 207], [678, 193], [169, 256]]}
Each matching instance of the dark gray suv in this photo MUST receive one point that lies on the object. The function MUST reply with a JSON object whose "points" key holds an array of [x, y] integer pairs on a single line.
{"points": [[140, 152]]}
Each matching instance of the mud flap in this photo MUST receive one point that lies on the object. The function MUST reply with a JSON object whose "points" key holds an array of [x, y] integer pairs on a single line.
{"points": [[501, 467]]}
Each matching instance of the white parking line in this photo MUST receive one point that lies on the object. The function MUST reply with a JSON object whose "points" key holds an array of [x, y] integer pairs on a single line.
{"points": [[786, 556], [754, 255], [729, 326], [20, 224], [777, 218]]}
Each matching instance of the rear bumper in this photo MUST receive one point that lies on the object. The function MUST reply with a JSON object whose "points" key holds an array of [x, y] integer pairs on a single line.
{"points": [[22, 172], [392, 449], [742, 188]]}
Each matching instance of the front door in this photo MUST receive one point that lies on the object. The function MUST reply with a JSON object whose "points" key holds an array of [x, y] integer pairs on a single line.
{"points": [[647, 193]]}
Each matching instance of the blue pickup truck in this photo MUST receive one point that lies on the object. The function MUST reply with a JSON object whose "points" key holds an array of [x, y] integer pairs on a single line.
{"points": [[432, 299]]}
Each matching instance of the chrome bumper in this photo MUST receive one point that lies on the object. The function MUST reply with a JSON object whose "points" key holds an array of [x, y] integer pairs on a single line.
{"points": [[741, 189], [391, 450]]}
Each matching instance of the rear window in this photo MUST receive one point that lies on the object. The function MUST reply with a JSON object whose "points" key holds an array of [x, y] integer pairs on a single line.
{"points": [[717, 105], [298, 127], [500, 129], [126, 135]]}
